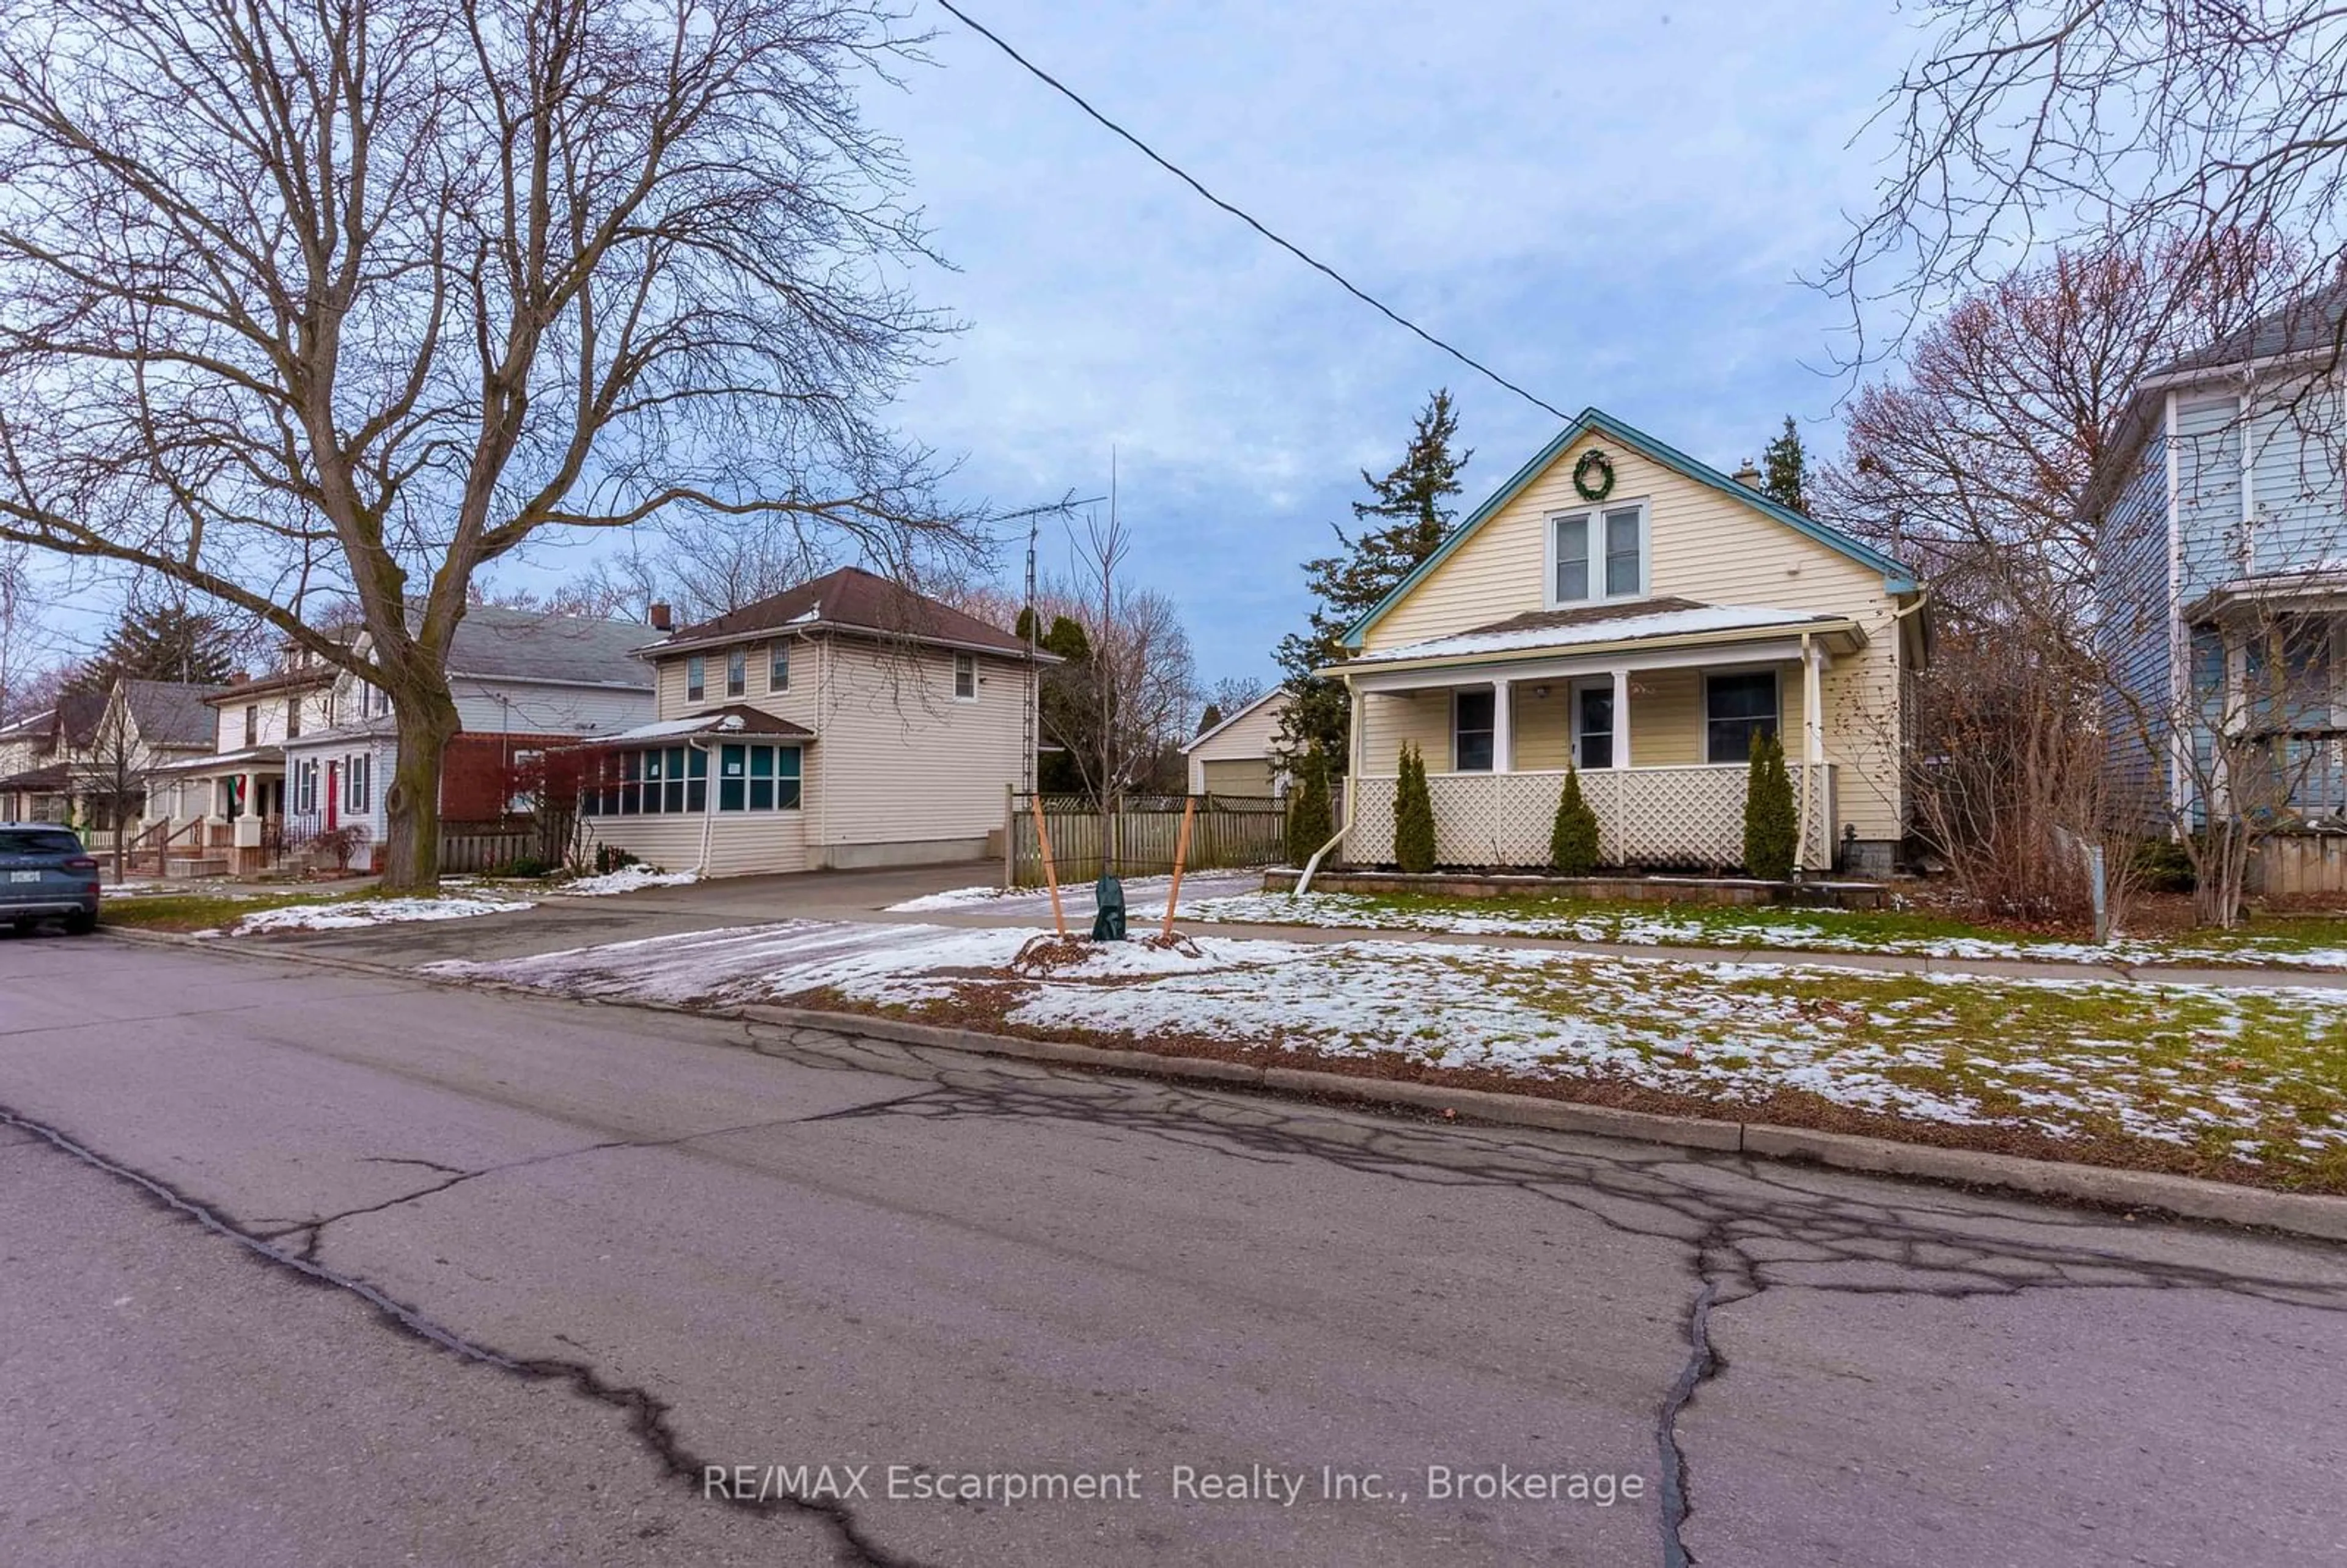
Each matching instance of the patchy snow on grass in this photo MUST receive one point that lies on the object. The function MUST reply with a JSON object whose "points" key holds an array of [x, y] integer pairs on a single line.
{"points": [[1144, 898], [362, 912], [2191, 1065], [626, 879], [1813, 930]]}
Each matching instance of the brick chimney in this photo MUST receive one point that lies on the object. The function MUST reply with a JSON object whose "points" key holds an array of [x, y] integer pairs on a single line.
{"points": [[660, 618]]}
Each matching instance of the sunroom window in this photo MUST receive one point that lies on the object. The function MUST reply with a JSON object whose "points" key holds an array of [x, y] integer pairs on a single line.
{"points": [[757, 778], [1599, 554]]}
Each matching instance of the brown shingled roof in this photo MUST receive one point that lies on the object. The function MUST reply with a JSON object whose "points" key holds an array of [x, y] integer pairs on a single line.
{"points": [[1581, 615], [856, 599]]}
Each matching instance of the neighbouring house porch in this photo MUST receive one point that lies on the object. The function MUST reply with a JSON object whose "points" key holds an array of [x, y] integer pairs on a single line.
{"points": [[218, 814], [1656, 708]]}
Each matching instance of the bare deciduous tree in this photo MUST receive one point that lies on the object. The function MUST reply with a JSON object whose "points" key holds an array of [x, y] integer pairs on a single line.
{"points": [[363, 296], [2218, 130], [1119, 710]]}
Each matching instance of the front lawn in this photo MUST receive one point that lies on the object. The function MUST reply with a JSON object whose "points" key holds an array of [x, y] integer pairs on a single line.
{"points": [[2310, 941], [2241, 1085]]}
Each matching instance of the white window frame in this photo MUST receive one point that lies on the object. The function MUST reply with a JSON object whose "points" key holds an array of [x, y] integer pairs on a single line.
{"points": [[696, 678], [737, 673], [358, 782], [965, 664], [1573, 695], [1493, 693], [779, 648], [1595, 513], [1703, 708]]}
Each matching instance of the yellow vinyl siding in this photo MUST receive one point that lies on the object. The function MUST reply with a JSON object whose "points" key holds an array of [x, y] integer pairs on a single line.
{"points": [[1702, 545]]}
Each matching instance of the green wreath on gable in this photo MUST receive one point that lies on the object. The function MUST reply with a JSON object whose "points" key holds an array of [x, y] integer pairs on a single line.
{"points": [[1596, 462]]}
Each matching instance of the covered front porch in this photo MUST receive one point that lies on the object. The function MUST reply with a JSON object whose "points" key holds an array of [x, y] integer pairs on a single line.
{"points": [[217, 814], [1659, 728]]}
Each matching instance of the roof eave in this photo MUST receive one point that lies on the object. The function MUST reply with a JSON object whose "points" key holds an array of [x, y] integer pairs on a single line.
{"points": [[1839, 626]]}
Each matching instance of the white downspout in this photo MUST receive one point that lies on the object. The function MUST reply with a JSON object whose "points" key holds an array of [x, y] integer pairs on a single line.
{"points": [[708, 797]]}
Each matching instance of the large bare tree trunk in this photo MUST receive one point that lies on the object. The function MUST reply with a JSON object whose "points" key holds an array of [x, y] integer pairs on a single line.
{"points": [[411, 806]]}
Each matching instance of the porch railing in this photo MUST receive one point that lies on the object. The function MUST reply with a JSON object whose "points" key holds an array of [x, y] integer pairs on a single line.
{"points": [[1678, 818]]}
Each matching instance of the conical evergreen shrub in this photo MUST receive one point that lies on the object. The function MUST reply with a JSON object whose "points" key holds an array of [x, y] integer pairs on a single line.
{"points": [[1771, 830], [1572, 842], [1413, 814], [1308, 822]]}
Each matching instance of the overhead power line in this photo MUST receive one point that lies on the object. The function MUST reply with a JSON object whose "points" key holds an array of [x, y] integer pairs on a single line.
{"points": [[1318, 265]]}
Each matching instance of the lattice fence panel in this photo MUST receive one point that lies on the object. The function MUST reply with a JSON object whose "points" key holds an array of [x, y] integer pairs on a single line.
{"points": [[1369, 841], [1527, 811], [1466, 817]]}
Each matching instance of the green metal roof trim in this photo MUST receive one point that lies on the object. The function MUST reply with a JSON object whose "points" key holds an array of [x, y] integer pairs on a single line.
{"points": [[1896, 577]]}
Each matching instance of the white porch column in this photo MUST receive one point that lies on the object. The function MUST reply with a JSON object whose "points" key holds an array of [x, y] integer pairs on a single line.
{"points": [[1357, 747], [1503, 729], [1621, 718], [1813, 753]]}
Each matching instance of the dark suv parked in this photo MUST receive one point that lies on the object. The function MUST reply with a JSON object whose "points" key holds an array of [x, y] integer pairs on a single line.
{"points": [[45, 871]]}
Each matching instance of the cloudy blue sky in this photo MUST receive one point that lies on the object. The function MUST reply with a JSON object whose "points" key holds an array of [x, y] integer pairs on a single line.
{"points": [[1611, 207]]}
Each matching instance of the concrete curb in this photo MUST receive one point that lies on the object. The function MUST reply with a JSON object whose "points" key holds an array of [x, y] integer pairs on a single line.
{"points": [[2297, 1213]]}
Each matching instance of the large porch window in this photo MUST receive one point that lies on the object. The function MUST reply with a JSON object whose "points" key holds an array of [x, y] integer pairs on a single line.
{"points": [[1735, 707], [1470, 731]]}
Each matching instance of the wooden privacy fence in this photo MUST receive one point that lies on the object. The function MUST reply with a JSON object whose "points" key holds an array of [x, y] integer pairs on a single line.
{"points": [[1227, 831], [485, 848]]}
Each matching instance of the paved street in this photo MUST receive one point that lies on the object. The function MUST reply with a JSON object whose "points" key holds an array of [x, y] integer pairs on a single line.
{"points": [[491, 1279]]}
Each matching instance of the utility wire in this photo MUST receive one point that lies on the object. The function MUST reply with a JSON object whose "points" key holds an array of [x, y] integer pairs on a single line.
{"points": [[1150, 153]]}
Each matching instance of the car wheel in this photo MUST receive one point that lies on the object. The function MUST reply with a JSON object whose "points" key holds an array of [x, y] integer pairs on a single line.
{"points": [[81, 923], [25, 925]]}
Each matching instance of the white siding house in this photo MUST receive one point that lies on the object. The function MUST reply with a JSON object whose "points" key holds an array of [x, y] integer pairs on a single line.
{"points": [[846, 723]]}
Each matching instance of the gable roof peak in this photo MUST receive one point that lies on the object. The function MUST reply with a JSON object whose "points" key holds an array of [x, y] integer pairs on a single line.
{"points": [[1897, 578]]}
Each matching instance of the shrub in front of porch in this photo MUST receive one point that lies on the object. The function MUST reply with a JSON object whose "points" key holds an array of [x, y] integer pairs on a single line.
{"points": [[1771, 831], [1572, 842], [1309, 825], [1413, 814]]}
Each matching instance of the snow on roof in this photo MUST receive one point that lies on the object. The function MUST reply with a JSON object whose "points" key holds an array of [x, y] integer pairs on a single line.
{"points": [[733, 719], [1686, 619]]}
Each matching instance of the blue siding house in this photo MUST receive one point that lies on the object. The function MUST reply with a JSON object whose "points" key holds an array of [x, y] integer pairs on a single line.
{"points": [[2223, 580]]}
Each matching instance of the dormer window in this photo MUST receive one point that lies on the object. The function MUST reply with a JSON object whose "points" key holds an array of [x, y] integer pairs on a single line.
{"points": [[1598, 554]]}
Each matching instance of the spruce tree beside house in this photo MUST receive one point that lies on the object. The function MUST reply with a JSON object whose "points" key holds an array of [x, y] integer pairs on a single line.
{"points": [[1413, 814], [1572, 842], [1308, 822], [1771, 831]]}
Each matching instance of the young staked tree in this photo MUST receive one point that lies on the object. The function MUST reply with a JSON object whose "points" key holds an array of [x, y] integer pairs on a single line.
{"points": [[1785, 469], [1413, 814], [366, 296], [1405, 519]]}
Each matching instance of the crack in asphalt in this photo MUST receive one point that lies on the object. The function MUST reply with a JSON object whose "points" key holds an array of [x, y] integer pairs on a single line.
{"points": [[1747, 1227], [1774, 1234], [651, 1419]]}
